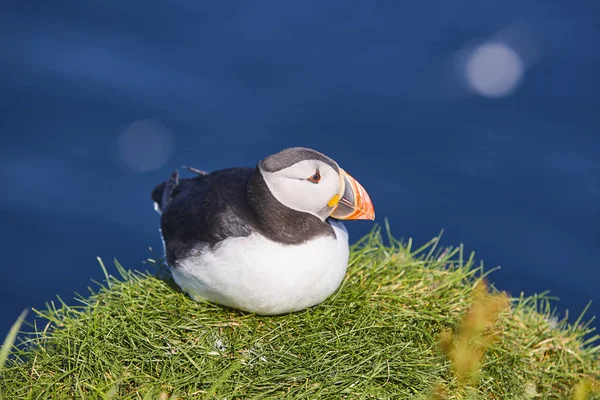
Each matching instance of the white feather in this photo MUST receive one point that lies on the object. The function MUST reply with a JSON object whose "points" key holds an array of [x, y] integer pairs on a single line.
{"points": [[258, 275]]}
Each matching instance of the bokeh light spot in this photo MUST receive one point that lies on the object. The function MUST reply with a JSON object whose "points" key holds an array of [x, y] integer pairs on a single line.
{"points": [[494, 70], [145, 145]]}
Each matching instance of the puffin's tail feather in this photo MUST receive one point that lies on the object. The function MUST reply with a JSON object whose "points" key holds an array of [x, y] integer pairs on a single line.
{"points": [[163, 192]]}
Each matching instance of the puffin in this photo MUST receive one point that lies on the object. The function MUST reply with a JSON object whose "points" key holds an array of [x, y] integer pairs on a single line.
{"points": [[267, 240]]}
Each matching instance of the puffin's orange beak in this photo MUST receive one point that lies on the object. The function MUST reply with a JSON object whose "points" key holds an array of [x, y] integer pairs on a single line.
{"points": [[353, 201]]}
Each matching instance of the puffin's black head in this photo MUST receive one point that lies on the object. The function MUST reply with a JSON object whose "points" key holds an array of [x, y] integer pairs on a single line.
{"points": [[308, 181]]}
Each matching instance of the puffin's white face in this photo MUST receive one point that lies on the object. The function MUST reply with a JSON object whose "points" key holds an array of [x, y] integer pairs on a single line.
{"points": [[307, 186], [308, 181]]}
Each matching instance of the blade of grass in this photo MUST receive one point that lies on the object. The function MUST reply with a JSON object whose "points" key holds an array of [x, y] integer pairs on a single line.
{"points": [[9, 341]]}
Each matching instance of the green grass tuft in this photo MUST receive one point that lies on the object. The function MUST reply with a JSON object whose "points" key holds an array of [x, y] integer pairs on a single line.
{"points": [[402, 325]]}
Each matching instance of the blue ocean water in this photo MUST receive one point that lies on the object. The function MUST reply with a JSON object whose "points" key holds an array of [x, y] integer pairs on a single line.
{"points": [[498, 146]]}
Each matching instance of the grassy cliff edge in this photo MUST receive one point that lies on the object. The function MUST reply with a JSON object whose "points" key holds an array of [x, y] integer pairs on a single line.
{"points": [[405, 323]]}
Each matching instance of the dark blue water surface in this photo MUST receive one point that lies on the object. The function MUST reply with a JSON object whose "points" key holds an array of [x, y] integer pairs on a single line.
{"points": [[100, 100]]}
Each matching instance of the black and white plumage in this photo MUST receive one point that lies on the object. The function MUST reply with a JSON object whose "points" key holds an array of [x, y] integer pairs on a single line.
{"points": [[265, 239]]}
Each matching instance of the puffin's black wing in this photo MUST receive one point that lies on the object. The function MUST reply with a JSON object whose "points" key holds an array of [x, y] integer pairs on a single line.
{"points": [[203, 211]]}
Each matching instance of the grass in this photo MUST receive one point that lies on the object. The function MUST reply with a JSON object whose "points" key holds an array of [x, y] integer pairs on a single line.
{"points": [[406, 323]]}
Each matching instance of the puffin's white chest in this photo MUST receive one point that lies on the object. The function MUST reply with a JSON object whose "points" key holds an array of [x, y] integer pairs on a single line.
{"points": [[258, 275]]}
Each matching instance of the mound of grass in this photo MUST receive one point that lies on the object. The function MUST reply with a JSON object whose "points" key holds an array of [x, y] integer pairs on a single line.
{"points": [[405, 323]]}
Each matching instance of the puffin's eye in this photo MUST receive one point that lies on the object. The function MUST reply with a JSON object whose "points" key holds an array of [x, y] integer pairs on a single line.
{"points": [[316, 177]]}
